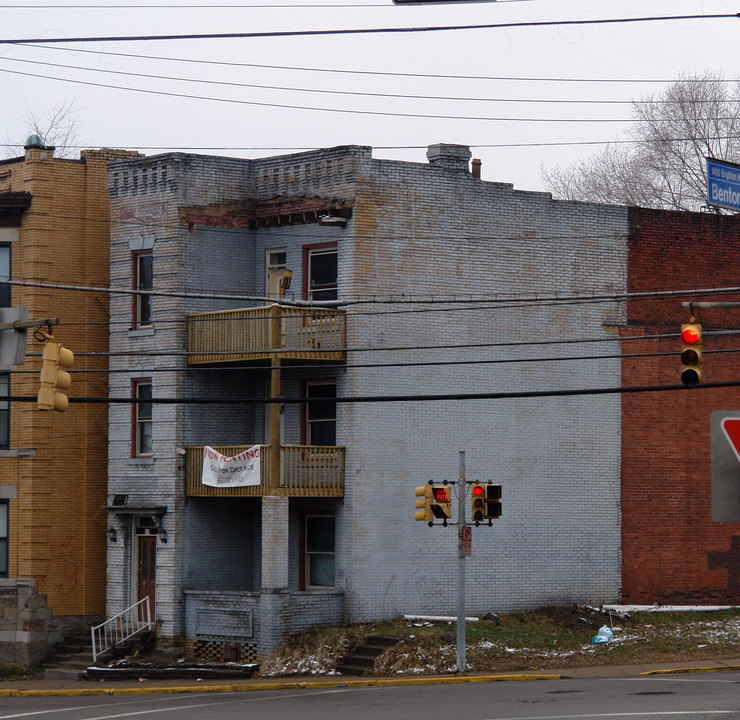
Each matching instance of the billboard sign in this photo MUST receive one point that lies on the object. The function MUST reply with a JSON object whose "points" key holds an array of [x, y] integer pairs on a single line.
{"points": [[723, 184]]}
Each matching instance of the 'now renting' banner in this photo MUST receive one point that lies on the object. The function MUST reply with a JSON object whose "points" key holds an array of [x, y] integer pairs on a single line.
{"points": [[238, 471]]}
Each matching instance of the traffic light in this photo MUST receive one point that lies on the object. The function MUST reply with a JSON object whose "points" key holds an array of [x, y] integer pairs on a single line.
{"points": [[53, 379], [493, 502], [478, 502], [424, 503], [442, 502], [485, 502], [433, 501], [691, 353]]}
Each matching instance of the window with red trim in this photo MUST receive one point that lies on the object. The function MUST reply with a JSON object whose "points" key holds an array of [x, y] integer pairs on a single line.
{"points": [[320, 271]]}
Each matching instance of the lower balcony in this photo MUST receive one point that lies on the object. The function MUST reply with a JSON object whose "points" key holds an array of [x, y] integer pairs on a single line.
{"points": [[305, 471]]}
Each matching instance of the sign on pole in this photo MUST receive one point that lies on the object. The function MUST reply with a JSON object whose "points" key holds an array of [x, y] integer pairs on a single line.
{"points": [[723, 184], [725, 441]]}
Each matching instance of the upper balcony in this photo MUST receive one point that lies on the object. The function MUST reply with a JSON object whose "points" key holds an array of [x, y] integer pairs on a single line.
{"points": [[261, 333]]}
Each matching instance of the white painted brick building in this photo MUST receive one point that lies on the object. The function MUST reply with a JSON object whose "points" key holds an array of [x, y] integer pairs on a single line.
{"points": [[434, 272]]}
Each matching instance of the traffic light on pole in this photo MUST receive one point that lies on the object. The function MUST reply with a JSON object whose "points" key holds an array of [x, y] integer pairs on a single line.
{"points": [[477, 502], [493, 502], [691, 353], [424, 503], [53, 379], [433, 501], [442, 502]]}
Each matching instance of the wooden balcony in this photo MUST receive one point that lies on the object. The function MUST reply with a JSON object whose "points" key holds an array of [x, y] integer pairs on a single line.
{"points": [[305, 471], [260, 333]]}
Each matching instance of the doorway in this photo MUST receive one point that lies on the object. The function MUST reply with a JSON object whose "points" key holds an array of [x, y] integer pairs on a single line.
{"points": [[146, 562]]}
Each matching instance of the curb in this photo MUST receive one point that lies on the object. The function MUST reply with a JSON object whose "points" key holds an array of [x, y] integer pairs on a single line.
{"points": [[305, 685], [676, 671]]}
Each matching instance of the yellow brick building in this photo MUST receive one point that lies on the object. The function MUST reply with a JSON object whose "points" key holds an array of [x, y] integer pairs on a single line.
{"points": [[54, 235]]}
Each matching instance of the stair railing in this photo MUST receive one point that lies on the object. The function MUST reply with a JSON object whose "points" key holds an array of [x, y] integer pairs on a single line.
{"points": [[120, 627]]}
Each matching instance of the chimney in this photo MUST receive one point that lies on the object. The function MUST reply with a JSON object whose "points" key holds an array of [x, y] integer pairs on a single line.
{"points": [[449, 157], [475, 168]]}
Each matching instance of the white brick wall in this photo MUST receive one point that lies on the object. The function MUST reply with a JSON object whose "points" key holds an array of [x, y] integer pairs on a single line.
{"points": [[416, 232]]}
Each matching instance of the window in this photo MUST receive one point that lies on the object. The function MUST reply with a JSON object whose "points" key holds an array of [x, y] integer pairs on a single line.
{"points": [[3, 538], [4, 411], [5, 300], [319, 543], [143, 280], [142, 418], [321, 414], [321, 272]]}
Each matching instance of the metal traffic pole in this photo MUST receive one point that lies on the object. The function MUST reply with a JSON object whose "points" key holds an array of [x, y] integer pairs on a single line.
{"points": [[461, 529]]}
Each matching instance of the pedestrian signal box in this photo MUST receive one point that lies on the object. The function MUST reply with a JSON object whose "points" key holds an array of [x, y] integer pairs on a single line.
{"points": [[433, 502], [442, 505]]}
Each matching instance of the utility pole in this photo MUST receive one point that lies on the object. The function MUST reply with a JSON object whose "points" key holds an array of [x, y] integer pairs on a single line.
{"points": [[435, 502], [461, 529]]}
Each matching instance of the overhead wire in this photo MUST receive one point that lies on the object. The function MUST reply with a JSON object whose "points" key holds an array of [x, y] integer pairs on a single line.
{"points": [[398, 74], [363, 94], [292, 106], [368, 31]]}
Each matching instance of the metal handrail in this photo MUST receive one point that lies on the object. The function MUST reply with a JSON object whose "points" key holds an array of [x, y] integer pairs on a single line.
{"points": [[120, 627]]}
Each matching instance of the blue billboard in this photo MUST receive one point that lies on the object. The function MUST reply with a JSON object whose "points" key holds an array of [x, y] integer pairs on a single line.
{"points": [[723, 184]]}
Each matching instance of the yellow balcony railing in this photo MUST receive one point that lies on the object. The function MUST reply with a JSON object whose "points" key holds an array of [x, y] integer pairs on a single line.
{"points": [[262, 332], [305, 471]]}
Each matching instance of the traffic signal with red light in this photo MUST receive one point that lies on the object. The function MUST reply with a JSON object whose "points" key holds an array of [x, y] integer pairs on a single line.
{"points": [[477, 502], [53, 379], [691, 353], [442, 502], [433, 502]]}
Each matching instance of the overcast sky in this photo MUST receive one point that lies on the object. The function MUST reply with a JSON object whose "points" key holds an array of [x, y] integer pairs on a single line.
{"points": [[214, 93]]}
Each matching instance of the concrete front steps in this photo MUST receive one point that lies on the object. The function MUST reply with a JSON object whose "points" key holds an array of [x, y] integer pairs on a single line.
{"points": [[362, 658], [70, 659]]}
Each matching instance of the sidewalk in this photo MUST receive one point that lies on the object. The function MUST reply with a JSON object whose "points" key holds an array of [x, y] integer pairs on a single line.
{"points": [[40, 687]]}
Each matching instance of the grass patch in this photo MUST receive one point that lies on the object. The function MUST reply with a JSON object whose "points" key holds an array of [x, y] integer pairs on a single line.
{"points": [[533, 640], [11, 671]]}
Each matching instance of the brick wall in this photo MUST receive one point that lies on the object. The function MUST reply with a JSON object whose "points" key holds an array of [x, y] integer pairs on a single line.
{"points": [[672, 550], [58, 461], [416, 231]]}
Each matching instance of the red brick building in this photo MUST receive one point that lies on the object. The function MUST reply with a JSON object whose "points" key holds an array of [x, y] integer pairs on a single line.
{"points": [[672, 550]]}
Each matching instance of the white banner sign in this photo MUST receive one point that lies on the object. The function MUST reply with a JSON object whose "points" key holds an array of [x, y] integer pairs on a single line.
{"points": [[238, 471]]}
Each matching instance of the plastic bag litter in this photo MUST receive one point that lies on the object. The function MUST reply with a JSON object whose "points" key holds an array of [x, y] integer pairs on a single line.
{"points": [[602, 636]]}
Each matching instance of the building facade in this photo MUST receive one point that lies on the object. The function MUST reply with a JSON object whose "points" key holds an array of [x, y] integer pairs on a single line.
{"points": [[54, 231], [408, 281], [673, 550]]}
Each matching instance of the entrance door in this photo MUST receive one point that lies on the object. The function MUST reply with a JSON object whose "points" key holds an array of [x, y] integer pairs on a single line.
{"points": [[147, 569]]}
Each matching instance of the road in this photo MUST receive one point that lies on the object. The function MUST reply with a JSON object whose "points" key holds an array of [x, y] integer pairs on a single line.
{"points": [[700, 696]]}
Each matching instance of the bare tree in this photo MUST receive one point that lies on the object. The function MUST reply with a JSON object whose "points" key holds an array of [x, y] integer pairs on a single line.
{"points": [[662, 164], [58, 127]]}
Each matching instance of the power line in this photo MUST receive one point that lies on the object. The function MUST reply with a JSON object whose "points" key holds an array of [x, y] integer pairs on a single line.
{"points": [[392, 299], [435, 76], [353, 93], [304, 148], [366, 31], [515, 395], [289, 106]]}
